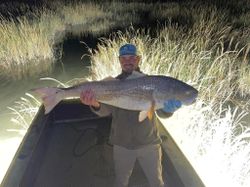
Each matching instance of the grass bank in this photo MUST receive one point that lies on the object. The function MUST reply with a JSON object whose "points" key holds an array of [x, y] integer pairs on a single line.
{"points": [[28, 41]]}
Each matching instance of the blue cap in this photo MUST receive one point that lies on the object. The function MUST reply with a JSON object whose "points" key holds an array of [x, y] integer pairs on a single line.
{"points": [[127, 49]]}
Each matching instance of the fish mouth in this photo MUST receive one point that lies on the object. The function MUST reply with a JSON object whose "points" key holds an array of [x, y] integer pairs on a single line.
{"points": [[193, 101], [189, 101], [192, 97]]}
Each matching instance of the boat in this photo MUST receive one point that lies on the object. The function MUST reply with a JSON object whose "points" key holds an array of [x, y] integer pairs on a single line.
{"points": [[69, 147]]}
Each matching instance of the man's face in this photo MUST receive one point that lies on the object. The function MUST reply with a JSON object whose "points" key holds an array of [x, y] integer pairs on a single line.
{"points": [[129, 63]]}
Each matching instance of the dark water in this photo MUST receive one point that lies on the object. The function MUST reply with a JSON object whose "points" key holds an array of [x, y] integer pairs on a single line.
{"points": [[70, 67]]}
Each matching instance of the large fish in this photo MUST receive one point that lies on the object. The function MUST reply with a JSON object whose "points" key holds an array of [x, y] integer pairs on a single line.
{"points": [[145, 94]]}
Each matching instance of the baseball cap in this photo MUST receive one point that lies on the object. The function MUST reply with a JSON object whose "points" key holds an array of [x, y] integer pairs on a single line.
{"points": [[127, 49]]}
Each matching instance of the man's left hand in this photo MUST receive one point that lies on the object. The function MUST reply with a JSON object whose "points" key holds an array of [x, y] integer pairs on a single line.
{"points": [[170, 106]]}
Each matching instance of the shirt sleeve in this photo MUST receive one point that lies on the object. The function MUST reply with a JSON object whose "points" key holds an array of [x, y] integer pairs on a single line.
{"points": [[104, 110]]}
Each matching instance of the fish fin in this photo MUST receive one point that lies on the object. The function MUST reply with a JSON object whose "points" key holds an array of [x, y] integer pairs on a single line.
{"points": [[109, 78], [143, 115], [50, 97], [151, 112]]}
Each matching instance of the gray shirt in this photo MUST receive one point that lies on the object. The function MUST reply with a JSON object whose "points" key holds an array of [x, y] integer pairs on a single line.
{"points": [[127, 131]]}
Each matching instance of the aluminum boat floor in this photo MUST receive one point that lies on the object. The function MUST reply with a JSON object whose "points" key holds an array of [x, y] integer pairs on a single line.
{"points": [[79, 155]]}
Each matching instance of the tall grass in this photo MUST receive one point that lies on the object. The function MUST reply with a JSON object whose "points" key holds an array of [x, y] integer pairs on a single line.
{"points": [[28, 42], [24, 110], [216, 142], [25, 48]]}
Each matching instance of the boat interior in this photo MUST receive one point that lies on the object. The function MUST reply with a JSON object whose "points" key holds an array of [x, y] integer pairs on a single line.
{"points": [[70, 147]]}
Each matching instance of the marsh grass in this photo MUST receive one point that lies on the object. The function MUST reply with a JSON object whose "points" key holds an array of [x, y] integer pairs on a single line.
{"points": [[26, 48], [216, 142], [24, 110], [27, 42]]}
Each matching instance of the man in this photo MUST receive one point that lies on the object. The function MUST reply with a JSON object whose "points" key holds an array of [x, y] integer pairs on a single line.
{"points": [[132, 140]]}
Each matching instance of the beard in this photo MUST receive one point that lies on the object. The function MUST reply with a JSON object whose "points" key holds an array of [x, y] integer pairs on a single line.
{"points": [[129, 68]]}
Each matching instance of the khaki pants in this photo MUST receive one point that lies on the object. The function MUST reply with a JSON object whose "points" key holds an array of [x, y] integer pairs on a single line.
{"points": [[149, 158]]}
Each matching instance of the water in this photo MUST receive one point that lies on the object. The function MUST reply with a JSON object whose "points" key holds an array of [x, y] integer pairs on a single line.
{"points": [[11, 134]]}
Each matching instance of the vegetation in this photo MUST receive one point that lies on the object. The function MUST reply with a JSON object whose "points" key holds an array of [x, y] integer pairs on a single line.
{"points": [[28, 41]]}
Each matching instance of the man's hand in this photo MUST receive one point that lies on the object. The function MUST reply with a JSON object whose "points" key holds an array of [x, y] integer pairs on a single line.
{"points": [[171, 105], [87, 97]]}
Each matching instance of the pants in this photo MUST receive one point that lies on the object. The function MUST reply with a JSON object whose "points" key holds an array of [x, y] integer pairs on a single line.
{"points": [[149, 158]]}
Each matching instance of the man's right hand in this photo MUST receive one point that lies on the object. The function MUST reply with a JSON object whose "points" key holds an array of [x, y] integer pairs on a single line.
{"points": [[88, 97]]}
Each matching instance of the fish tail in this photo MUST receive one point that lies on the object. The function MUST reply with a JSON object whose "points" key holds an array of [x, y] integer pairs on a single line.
{"points": [[50, 97]]}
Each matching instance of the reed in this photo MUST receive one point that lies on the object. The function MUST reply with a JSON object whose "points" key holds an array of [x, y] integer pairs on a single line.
{"points": [[26, 48], [24, 110], [28, 42], [215, 141]]}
